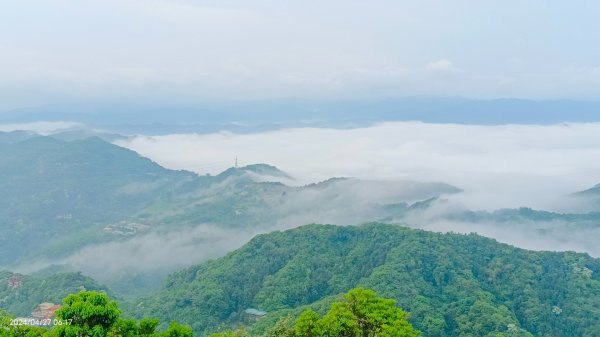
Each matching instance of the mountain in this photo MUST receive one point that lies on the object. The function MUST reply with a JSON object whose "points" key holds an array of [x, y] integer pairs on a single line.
{"points": [[83, 204], [452, 284], [593, 190], [58, 195], [14, 136], [21, 294], [524, 227], [130, 117], [591, 196]]}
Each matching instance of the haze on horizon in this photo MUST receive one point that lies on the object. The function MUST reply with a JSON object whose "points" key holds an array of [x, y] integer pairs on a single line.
{"points": [[186, 51]]}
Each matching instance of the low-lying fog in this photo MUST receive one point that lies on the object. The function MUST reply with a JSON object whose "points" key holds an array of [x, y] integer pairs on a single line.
{"points": [[496, 166]]}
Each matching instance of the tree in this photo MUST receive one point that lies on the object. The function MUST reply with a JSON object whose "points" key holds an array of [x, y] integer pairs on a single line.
{"points": [[176, 330], [8, 330], [148, 326], [360, 314], [363, 314], [308, 325], [88, 313], [92, 314]]}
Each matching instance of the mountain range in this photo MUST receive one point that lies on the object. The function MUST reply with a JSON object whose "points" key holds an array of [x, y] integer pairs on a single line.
{"points": [[72, 206]]}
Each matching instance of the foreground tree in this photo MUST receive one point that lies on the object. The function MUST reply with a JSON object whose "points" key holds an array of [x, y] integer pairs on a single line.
{"points": [[11, 330], [360, 314], [93, 314], [88, 313]]}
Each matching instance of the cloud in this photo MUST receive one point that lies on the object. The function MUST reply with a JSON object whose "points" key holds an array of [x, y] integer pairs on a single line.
{"points": [[443, 68], [547, 236], [497, 166], [506, 166], [165, 249], [156, 251], [159, 50], [515, 61]]}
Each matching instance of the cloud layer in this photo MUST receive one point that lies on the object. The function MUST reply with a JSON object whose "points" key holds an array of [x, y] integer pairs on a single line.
{"points": [[507, 166], [497, 166]]}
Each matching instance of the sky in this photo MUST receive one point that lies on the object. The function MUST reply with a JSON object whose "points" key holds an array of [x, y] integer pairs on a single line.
{"points": [[190, 51]]}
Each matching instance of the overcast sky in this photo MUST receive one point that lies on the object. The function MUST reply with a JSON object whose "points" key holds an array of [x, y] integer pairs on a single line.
{"points": [[188, 51]]}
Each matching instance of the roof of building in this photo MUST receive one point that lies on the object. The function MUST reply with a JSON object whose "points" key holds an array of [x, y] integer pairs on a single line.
{"points": [[255, 312]]}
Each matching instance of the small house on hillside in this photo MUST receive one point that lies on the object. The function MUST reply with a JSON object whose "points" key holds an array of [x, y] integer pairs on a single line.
{"points": [[255, 314], [45, 310]]}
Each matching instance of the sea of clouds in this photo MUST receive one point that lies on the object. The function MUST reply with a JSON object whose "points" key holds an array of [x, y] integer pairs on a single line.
{"points": [[507, 166], [496, 166]]}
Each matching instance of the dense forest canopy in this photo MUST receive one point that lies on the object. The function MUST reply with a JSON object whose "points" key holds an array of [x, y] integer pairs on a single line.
{"points": [[452, 285], [87, 314]]}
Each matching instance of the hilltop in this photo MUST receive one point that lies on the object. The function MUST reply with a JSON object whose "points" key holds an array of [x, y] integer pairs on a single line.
{"points": [[452, 284]]}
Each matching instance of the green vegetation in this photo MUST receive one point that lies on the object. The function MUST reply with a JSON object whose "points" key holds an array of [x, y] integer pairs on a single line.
{"points": [[57, 196], [26, 292], [452, 285], [90, 314], [93, 314], [359, 314]]}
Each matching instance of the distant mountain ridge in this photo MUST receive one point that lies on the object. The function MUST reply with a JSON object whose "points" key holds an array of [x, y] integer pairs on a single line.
{"points": [[257, 116]]}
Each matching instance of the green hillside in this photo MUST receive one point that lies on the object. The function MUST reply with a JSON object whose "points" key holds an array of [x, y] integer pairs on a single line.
{"points": [[452, 285], [56, 196], [20, 294]]}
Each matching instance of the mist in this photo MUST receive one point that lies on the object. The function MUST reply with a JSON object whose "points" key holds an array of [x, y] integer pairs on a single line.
{"points": [[155, 253], [170, 246], [534, 234], [502, 166], [414, 174]]}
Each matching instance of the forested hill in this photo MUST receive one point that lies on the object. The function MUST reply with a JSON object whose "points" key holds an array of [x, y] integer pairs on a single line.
{"points": [[54, 191], [58, 198], [21, 294], [453, 285]]}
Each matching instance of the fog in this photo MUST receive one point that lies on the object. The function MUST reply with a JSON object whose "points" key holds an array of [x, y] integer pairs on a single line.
{"points": [[166, 249], [156, 251], [154, 254], [496, 166], [546, 235], [462, 167]]}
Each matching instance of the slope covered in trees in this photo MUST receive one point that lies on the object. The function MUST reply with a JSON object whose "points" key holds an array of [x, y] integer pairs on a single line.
{"points": [[359, 313], [59, 197], [56, 196], [92, 314], [21, 294], [452, 285]]}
